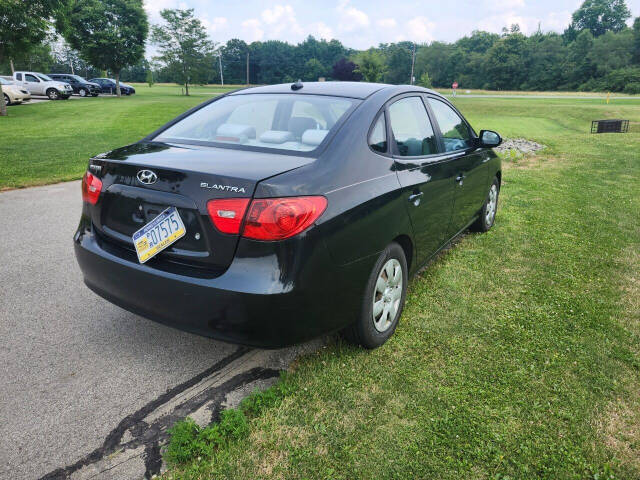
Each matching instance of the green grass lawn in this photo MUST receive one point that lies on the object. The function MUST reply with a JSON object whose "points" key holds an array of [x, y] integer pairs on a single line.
{"points": [[52, 141], [462, 92], [517, 355]]}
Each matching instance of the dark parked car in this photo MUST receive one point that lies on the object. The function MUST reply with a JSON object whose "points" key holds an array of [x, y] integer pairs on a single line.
{"points": [[274, 214], [79, 84], [108, 85]]}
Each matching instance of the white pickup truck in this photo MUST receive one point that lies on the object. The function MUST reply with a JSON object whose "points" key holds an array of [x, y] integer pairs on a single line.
{"points": [[40, 84]]}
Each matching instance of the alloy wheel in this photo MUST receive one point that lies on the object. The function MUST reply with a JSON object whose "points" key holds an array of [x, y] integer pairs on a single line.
{"points": [[387, 295]]}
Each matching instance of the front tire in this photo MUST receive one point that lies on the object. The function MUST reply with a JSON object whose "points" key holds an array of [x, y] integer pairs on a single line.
{"points": [[6, 99], [53, 94], [383, 301], [83, 92], [488, 212]]}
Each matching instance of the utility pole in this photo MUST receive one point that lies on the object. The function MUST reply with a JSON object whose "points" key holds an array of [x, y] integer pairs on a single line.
{"points": [[413, 62], [220, 65], [247, 67]]}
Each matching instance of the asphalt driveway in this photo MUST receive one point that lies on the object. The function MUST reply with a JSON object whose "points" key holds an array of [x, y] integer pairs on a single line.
{"points": [[87, 389]]}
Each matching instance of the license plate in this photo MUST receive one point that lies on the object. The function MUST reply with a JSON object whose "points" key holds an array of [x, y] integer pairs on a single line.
{"points": [[158, 234]]}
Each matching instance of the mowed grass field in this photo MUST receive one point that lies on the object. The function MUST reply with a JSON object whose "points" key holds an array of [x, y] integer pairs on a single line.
{"points": [[518, 354], [52, 141]]}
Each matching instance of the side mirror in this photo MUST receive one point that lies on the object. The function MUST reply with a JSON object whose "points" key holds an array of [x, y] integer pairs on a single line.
{"points": [[489, 139]]}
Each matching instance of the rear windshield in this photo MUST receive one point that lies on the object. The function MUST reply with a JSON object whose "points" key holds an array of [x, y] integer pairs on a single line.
{"points": [[296, 122]]}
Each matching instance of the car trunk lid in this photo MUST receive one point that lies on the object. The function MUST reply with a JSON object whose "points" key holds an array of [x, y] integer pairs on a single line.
{"points": [[186, 177]]}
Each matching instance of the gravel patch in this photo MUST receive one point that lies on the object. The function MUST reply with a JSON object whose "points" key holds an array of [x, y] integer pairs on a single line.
{"points": [[519, 146]]}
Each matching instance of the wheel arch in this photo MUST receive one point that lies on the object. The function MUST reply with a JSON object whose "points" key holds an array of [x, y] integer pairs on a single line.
{"points": [[407, 246]]}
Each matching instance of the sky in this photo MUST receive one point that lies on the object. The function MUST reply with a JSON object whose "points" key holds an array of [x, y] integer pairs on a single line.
{"points": [[361, 24]]}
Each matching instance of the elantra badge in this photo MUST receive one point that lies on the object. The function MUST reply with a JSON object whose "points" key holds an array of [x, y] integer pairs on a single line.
{"points": [[225, 188], [147, 177]]}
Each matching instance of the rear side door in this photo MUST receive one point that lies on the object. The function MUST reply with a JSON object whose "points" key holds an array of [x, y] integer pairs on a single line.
{"points": [[423, 171], [467, 163]]}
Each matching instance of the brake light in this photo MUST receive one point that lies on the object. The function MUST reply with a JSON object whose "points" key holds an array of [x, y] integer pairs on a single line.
{"points": [[279, 218], [91, 187], [227, 213]]}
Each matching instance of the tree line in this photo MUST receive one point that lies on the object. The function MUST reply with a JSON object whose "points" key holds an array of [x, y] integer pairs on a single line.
{"points": [[597, 51]]}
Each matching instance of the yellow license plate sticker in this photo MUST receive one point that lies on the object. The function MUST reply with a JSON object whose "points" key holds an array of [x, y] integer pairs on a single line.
{"points": [[158, 234]]}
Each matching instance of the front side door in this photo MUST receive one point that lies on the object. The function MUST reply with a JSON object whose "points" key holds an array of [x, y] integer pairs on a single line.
{"points": [[424, 174], [467, 162], [33, 84]]}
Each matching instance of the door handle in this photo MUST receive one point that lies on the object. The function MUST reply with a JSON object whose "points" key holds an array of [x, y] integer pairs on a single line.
{"points": [[415, 198]]}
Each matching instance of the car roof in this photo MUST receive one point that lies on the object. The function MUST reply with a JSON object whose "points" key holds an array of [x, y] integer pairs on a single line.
{"points": [[334, 88]]}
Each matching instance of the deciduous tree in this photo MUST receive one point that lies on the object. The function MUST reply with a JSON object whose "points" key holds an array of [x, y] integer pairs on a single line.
{"points": [[370, 64], [601, 16], [109, 34], [184, 46], [23, 26], [344, 70]]}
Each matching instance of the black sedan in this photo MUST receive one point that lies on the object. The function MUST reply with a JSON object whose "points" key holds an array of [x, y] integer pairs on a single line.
{"points": [[274, 214], [108, 85], [80, 85]]}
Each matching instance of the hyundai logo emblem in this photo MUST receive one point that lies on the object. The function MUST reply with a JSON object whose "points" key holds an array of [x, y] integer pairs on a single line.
{"points": [[147, 177]]}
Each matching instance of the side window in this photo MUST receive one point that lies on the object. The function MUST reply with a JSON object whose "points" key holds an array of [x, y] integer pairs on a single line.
{"points": [[455, 133], [411, 128], [31, 78], [19, 76], [378, 136]]}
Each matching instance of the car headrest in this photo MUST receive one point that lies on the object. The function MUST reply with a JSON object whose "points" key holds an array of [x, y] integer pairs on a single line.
{"points": [[298, 125], [314, 137], [276, 136], [234, 132]]}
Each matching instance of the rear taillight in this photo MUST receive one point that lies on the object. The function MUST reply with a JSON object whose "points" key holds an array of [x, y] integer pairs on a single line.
{"points": [[227, 213], [279, 218], [91, 187], [266, 218]]}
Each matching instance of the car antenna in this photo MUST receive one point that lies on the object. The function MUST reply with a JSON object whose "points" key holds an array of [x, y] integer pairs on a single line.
{"points": [[297, 86]]}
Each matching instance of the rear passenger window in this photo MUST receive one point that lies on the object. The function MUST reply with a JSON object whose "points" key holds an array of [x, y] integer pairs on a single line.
{"points": [[455, 133], [412, 130], [378, 137]]}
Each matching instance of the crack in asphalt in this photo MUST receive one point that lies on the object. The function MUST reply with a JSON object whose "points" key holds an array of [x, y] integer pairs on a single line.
{"points": [[153, 434]]}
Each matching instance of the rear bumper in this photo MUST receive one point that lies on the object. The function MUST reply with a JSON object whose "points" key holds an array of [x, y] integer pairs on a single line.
{"points": [[272, 295]]}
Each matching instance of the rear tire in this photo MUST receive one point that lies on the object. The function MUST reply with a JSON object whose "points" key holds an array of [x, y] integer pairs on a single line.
{"points": [[488, 212], [53, 94], [383, 301], [83, 92], [6, 99]]}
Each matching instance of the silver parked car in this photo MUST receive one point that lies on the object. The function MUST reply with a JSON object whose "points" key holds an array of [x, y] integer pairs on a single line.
{"points": [[40, 84]]}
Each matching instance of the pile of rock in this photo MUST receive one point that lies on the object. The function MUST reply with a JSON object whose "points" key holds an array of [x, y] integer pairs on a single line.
{"points": [[519, 146]]}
